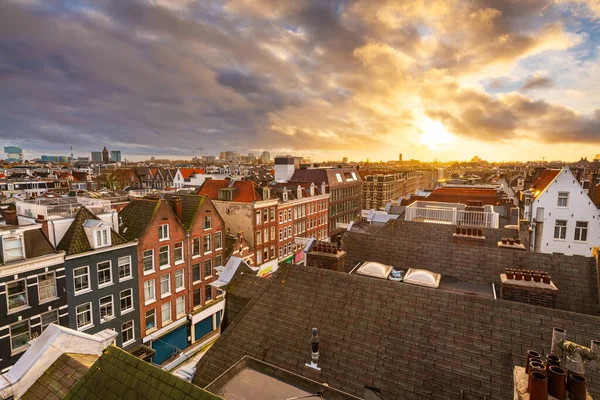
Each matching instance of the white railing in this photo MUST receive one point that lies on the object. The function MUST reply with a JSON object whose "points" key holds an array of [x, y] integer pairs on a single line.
{"points": [[451, 214], [64, 210]]}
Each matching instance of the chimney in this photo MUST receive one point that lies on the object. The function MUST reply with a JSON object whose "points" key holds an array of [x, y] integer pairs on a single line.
{"points": [[10, 217], [592, 189], [530, 287], [44, 222], [314, 350], [177, 206], [327, 256]]}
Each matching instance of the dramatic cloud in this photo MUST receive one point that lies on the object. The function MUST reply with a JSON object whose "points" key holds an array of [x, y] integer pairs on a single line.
{"points": [[361, 78]]}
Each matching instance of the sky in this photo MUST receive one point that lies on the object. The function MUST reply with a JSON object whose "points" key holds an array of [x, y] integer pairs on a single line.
{"points": [[445, 79]]}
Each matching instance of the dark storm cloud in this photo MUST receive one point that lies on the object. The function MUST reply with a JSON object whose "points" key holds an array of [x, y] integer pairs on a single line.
{"points": [[538, 82], [153, 77]]}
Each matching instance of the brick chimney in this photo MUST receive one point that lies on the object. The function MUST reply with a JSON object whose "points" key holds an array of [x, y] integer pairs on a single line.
{"points": [[44, 222], [529, 292], [592, 190], [327, 256], [10, 217], [177, 206]]}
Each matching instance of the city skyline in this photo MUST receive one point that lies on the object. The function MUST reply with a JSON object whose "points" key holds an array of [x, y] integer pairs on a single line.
{"points": [[320, 79]]}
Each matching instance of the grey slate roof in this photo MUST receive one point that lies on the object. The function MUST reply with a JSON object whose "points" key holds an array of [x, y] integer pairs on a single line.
{"points": [[238, 293], [136, 216], [410, 341]]}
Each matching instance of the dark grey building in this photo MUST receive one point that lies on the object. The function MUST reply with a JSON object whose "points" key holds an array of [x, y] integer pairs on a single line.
{"points": [[32, 283], [101, 279]]}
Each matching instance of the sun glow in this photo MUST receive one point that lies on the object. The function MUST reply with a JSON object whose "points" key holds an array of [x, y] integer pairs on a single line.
{"points": [[434, 135]]}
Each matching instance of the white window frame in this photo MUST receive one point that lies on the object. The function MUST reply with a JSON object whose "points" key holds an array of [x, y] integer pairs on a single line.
{"points": [[162, 313], [55, 292], [196, 249], [180, 274], [110, 274], [122, 261], [206, 226], [209, 260], [258, 217], [204, 242], [153, 310], [7, 259], [182, 260], [166, 293], [101, 238], [563, 196], [126, 310], [10, 337], [112, 308], [163, 232], [153, 285], [562, 229], [55, 312], [579, 230], [180, 301], [77, 312], [151, 256], [220, 236], [258, 258], [123, 330], [168, 264], [89, 283]]}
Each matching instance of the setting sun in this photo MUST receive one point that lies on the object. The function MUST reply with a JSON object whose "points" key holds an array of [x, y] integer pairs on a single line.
{"points": [[434, 134]]}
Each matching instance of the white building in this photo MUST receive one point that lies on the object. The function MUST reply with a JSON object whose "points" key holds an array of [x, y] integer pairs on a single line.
{"points": [[564, 218]]}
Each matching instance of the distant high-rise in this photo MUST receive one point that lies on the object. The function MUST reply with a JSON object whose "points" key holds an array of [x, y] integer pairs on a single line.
{"points": [[115, 155], [105, 155], [345, 160], [400, 157], [13, 153], [265, 157], [96, 156]]}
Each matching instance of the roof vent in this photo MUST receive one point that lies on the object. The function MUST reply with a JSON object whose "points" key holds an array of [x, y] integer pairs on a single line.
{"points": [[314, 347], [375, 270], [422, 277]]}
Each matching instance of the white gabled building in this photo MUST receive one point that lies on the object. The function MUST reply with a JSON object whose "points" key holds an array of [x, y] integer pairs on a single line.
{"points": [[564, 218]]}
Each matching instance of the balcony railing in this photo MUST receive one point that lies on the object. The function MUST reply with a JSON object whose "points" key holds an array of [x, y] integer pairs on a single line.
{"points": [[61, 208], [451, 214]]}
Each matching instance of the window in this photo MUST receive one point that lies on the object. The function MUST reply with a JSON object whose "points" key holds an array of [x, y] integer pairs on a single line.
{"points": [[289, 246], [289, 214], [165, 285], [180, 306], [258, 220], [47, 318], [273, 255], [102, 238], [207, 294], [207, 268], [149, 291], [84, 316], [289, 231], [563, 199], [266, 254], [258, 258], [219, 260], [163, 256], [281, 252], [581, 229], [13, 248], [218, 240], [150, 319], [281, 234], [207, 223], [196, 273], [280, 217], [272, 212], [178, 253], [207, 244], [197, 297], [219, 293], [265, 215], [127, 334], [266, 235], [127, 300], [272, 233], [106, 308], [148, 257], [258, 237], [17, 294], [47, 286], [104, 275], [196, 246], [81, 277], [166, 312], [163, 232], [560, 229], [124, 268], [19, 335], [179, 280]]}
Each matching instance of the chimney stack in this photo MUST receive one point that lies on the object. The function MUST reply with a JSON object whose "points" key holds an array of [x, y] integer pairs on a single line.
{"points": [[10, 217], [592, 189], [44, 222], [177, 206], [314, 348]]}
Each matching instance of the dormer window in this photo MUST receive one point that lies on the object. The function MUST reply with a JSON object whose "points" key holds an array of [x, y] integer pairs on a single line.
{"points": [[98, 233], [266, 193], [323, 187], [285, 195], [13, 248], [312, 189], [299, 191]]}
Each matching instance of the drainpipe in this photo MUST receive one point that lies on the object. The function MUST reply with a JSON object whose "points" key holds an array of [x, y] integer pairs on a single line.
{"points": [[189, 278]]}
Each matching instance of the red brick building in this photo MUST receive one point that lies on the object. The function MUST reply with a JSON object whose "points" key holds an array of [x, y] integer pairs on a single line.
{"points": [[178, 247]]}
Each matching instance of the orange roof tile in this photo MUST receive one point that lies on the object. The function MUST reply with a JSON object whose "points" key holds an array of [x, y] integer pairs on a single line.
{"points": [[245, 192], [187, 172], [543, 181]]}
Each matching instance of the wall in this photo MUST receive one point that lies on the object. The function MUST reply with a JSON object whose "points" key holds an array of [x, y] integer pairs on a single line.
{"points": [[580, 208], [409, 244], [238, 217]]}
